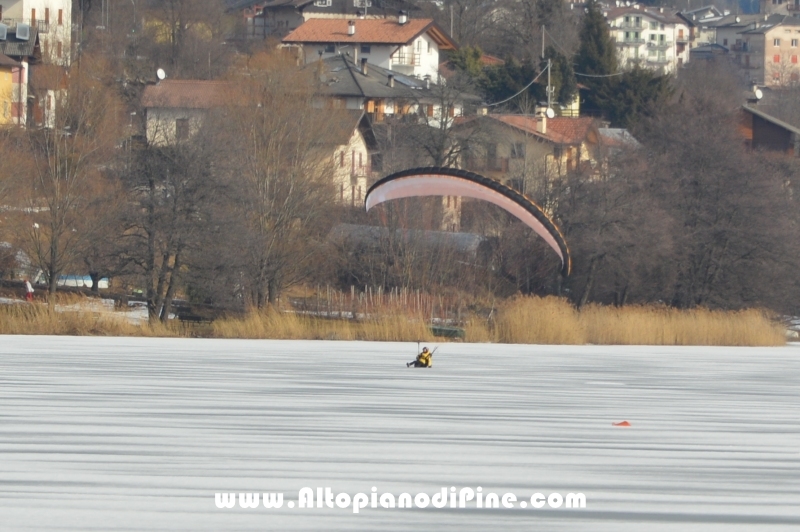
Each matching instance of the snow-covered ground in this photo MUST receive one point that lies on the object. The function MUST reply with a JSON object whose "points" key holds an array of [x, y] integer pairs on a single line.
{"points": [[108, 434]]}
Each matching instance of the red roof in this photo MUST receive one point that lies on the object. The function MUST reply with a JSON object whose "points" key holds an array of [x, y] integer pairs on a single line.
{"points": [[490, 60], [368, 31], [196, 94], [571, 130], [561, 130]]}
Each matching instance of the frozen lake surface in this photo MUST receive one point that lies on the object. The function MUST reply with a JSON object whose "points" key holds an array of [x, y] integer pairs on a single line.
{"points": [[111, 434]]}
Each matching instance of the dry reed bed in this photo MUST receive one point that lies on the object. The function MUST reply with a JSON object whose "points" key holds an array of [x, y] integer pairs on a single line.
{"points": [[526, 320], [554, 321]]}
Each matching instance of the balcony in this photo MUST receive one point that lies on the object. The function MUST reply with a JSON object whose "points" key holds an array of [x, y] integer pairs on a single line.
{"points": [[405, 62], [740, 47], [630, 26], [631, 42], [658, 60], [682, 39], [41, 25], [659, 45]]}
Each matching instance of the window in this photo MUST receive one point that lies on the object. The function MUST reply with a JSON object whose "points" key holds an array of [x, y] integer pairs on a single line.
{"points": [[638, 22], [627, 20], [365, 48], [430, 47], [794, 43], [182, 128], [362, 3], [322, 3], [33, 17], [376, 162], [654, 25], [341, 160], [58, 49], [725, 42], [360, 160], [794, 59], [518, 150], [661, 27], [653, 37], [60, 17], [776, 59], [776, 42], [329, 49], [47, 15]]}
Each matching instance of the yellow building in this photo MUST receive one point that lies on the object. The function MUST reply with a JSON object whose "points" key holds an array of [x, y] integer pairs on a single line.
{"points": [[8, 68]]}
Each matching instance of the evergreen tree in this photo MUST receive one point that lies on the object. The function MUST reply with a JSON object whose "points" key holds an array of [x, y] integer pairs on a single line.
{"points": [[597, 56], [637, 93], [562, 76]]}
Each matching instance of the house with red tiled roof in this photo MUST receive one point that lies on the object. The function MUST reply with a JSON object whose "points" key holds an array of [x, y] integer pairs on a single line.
{"points": [[276, 18], [407, 46], [175, 109], [527, 151]]}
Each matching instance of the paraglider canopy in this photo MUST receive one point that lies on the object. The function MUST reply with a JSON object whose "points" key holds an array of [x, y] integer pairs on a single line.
{"points": [[418, 182]]}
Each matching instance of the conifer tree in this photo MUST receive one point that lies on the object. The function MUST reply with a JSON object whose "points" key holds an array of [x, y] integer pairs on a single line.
{"points": [[597, 56]]}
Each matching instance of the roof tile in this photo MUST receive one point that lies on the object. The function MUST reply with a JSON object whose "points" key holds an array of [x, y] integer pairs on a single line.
{"points": [[373, 31], [187, 94]]}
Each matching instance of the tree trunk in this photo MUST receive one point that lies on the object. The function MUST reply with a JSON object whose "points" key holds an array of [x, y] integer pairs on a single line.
{"points": [[173, 282], [95, 276], [589, 281]]}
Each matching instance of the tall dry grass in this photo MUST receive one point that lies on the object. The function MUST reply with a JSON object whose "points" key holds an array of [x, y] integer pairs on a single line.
{"points": [[528, 320], [554, 321], [43, 318], [291, 326]]}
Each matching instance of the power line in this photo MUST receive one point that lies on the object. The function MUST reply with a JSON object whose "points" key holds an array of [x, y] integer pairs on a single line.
{"points": [[598, 75], [520, 92]]}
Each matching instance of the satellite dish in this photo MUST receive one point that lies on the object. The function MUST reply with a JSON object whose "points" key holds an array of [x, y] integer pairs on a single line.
{"points": [[550, 113], [161, 74], [758, 94]]}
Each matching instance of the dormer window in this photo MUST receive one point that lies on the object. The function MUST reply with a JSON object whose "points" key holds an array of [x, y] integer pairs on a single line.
{"points": [[322, 3]]}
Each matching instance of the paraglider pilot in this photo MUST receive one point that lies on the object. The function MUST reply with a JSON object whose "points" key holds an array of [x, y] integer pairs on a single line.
{"points": [[424, 359]]}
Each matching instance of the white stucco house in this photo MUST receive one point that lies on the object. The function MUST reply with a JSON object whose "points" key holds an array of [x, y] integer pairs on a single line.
{"points": [[407, 46], [654, 38], [52, 20]]}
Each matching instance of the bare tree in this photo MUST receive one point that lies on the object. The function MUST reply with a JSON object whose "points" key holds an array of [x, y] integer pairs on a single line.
{"points": [[80, 131]]}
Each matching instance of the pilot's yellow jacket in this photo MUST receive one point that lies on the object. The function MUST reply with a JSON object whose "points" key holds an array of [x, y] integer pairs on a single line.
{"points": [[425, 359]]}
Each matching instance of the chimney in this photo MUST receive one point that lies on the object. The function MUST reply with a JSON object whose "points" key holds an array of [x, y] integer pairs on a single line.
{"points": [[427, 82], [351, 28], [364, 65], [541, 120], [660, 9], [391, 80], [402, 18]]}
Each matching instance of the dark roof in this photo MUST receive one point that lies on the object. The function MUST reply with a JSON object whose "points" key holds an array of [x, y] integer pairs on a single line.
{"points": [[768, 114], [7, 61], [340, 76], [772, 22], [14, 47], [337, 7]]}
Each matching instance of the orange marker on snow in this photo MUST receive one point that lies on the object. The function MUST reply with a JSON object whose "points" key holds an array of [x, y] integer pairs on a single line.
{"points": [[622, 424]]}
